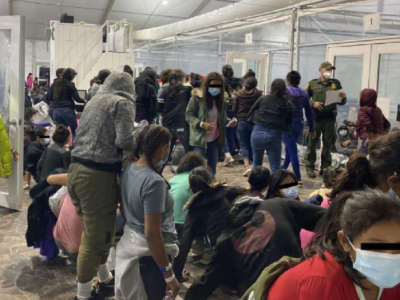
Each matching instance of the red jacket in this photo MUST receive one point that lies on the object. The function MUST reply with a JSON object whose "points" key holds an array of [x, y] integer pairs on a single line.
{"points": [[370, 117], [317, 279]]}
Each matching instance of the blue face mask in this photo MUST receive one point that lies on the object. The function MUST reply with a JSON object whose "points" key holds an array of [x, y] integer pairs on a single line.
{"points": [[214, 91], [291, 193], [381, 269]]}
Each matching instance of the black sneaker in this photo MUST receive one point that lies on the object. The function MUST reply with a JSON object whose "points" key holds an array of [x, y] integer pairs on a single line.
{"points": [[105, 289], [311, 173]]}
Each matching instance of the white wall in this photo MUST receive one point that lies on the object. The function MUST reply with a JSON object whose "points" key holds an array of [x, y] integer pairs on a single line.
{"points": [[80, 46], [36, 52]]}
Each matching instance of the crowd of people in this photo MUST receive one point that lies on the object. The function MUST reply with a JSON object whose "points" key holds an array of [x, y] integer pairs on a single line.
{"points": [[100, 197]]}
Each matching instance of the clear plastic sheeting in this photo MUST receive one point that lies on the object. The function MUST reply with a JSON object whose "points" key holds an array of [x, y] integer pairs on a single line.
{"points": [[4, 65]]}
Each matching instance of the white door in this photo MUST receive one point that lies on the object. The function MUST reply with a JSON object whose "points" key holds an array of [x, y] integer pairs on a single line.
{"points": [[242, 62], [12, 52], [352, 69], [385, 78]]}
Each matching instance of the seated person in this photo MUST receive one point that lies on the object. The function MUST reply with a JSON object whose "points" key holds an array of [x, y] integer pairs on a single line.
{"points": [[355, 177], [207, 213], [283, 184], [180, 188], [258, 232], [39, 142], [69, 227], [55, 156], [259, 179], [337, 266], [329, 178]]}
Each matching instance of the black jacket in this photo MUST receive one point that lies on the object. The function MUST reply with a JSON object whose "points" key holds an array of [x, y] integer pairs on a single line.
{"points": [[37, 221], [31, 158], [146, 97], [67, 96], [243, 102], [272, 112], [175, 100], [259, 232], [54, 157], [207, 216]]}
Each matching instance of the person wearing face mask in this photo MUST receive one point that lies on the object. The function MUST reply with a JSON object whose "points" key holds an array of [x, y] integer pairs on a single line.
{"points": [[143, 261], [56, 155], [325, 118], [336, 266], [40, 140], [206, 115], [283, 184]]}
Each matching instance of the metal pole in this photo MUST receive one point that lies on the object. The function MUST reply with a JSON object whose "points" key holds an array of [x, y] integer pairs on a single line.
{"points": [[292, 33], [297, 44]]}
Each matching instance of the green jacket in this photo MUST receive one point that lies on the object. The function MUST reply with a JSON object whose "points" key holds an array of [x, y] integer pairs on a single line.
{"points": [[317, 89], [197, 112], [5, 152]]}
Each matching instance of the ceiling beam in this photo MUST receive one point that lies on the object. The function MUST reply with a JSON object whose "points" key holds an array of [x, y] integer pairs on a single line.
{"points": [[10, 7], [199, 8], [109, 8]]}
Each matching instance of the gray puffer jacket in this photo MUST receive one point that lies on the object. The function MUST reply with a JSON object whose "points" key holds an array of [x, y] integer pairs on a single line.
{"points": [[106, 127]]}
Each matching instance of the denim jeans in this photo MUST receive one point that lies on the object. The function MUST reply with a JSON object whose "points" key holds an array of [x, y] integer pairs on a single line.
{"points": [[211, 154], [270, 140], [231, 141], [291, 148], [65, 116], [244, 130]]}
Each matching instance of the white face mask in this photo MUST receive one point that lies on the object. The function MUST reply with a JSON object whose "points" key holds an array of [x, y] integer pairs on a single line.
{"points": [[327, 75], [292, 192], [381, 269]]}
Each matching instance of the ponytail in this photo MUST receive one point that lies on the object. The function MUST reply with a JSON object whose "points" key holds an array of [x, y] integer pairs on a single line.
{"points": [[356, 176]]}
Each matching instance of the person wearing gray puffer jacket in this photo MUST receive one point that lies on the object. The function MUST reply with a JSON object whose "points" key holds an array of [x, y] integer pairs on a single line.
{"points": [[106, 129]]}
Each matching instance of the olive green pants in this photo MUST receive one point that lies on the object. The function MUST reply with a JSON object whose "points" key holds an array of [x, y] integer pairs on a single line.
{"points": [[95, 195], [326, 128]]}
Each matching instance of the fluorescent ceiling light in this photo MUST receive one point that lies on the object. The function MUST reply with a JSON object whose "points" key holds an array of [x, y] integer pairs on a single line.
{"points": [[165, 2]]}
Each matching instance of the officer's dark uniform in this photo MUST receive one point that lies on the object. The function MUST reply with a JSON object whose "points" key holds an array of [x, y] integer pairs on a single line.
{"points": [[325, 120]]}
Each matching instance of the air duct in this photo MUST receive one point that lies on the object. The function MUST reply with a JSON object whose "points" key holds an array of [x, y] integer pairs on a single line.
{"points": [[236, 12]]}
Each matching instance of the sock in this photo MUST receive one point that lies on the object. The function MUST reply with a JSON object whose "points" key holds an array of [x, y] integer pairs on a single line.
{"points": [[104, 274], [84, 290]]}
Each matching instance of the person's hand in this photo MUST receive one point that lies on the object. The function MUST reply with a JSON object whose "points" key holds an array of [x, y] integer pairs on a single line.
{"points": [[318, 105], [15, 155], [172, 289], [207, 126], [313, 135], [342, 95]]}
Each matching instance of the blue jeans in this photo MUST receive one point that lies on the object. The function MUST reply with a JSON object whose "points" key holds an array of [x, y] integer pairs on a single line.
{"points": [[231, 141], [211, 154], [65, 116], [244, 129], [291, 148], [270, 140]]}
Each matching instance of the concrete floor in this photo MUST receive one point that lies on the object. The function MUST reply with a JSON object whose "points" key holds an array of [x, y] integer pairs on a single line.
{"points": [[26, 275]]}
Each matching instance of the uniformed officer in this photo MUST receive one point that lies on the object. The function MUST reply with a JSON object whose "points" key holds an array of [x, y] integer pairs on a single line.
{"points": [[325, 118]]}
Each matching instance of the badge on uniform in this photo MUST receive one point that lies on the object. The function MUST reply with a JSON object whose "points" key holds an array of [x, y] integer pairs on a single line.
{"points": [[333, 86]]}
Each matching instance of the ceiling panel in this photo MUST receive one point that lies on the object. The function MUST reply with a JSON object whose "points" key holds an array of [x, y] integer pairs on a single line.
{"points": [[138, 6], [178, 8], [99, 4]]}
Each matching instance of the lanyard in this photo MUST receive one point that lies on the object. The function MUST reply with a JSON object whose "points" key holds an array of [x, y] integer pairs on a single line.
{"points": [[361, 294]]}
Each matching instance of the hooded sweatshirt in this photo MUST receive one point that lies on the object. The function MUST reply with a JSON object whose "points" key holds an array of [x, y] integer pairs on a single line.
{"points": [[370, 117], [106, 126], [146, 92]]}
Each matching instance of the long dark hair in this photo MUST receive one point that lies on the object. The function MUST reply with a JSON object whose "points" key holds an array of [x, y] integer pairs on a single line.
{"points": [[220, 99], [356, 176], [276, 180], [149, 140], [278, 88], [200, 179], [68, 75], [190, 161], [354, 213]]}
